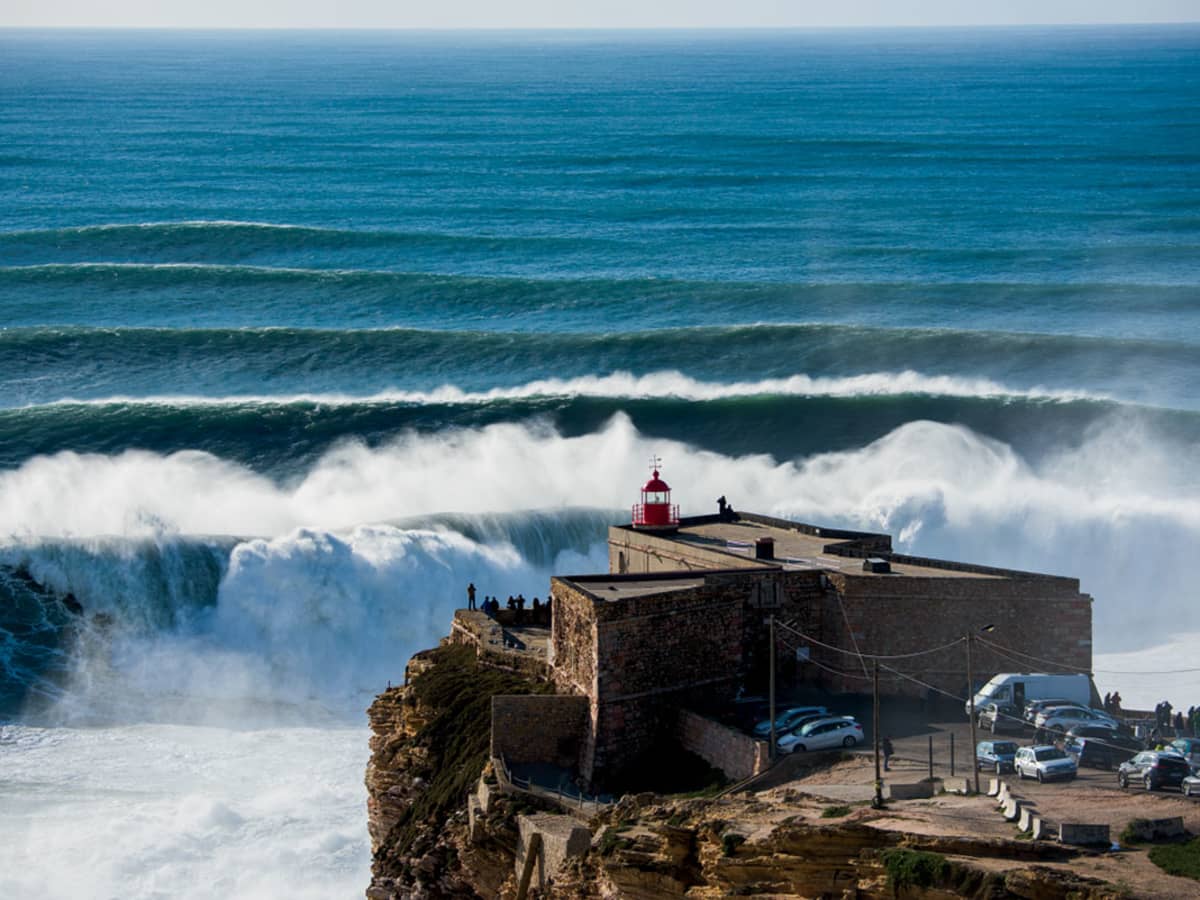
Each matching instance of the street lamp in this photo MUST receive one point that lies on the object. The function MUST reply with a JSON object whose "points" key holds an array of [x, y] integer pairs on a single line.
{"points": [[971, 699]]}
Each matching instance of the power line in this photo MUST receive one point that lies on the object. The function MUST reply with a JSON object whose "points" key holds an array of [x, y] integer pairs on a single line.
{"points": [[862, 655]]}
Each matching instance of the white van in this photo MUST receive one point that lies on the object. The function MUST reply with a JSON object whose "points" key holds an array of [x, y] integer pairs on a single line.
{"points": [[1018, 688]]}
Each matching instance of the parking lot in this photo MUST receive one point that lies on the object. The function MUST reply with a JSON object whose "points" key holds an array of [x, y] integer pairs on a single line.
{"points": [[915, 729]]}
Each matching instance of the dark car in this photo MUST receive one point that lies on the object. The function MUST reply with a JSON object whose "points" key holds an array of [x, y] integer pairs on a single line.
{"points": [[1155, 769], [1101, 752], [995, 717], [1096, 731], [995, 756], [1033, 707]]}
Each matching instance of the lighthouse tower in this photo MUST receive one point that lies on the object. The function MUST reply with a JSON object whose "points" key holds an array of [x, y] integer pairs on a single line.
{"points": [[655, 512]]}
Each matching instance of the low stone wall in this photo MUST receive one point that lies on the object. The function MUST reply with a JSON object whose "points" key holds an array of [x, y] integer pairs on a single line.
{"points": [[736, 754], [485, 634], [561, 838], [539, 728]]}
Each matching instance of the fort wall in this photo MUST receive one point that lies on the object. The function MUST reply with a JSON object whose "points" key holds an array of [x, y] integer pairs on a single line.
{"points": [[651, 654], [539, 728], [638, 552], [1045, 618]]}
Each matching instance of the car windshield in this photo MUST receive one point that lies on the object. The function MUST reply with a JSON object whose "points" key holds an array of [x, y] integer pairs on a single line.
{"points": [[1049, 753], [1004, 747]]}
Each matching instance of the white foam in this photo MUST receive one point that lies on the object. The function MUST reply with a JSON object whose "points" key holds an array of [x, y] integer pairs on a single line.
{"points": [[625, 385], [156, 811], [1113, 510]]}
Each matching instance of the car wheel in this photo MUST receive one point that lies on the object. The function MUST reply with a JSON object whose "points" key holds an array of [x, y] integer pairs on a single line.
{"points": [[1187, 790], [799, 748], [1039, 776], [1149, 782], [849, 741], [1122, 780], [1020, 774]]}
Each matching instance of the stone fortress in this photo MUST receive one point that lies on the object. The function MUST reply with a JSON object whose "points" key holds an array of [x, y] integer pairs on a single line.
{"points": [[649, 654]]}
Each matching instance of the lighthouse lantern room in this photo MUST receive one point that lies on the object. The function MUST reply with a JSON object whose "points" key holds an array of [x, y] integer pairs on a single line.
{"points": [[655, 512]]}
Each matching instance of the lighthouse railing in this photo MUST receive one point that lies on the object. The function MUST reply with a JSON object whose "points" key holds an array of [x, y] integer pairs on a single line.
{"points": [[638, 516]]}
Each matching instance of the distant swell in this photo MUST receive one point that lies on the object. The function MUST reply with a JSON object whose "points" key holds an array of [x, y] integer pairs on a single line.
{"points": [[45, 364], [232, 285]]}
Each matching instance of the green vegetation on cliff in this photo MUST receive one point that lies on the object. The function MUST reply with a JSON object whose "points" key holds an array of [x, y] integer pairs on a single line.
{"points": [[459, 691]]}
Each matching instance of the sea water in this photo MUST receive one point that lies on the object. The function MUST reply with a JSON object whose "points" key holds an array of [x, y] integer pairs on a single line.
{"points": [[301, 332]]}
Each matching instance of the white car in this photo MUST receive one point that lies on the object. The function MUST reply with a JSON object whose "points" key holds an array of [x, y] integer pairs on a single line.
{"points": [[1044, 764], [1064, 718], [823, 734]]}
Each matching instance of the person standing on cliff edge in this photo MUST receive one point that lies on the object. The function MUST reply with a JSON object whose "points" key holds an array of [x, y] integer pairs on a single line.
{"points": [[471, 595]]}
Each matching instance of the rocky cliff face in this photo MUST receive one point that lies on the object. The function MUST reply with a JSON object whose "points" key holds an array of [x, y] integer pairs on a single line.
{"points": [[429, 747], [429, 752]]}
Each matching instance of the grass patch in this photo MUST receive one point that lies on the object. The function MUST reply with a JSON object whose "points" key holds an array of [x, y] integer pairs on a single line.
{"points": [[611, 840], [458, 736], [835, 812], [1178, 859], [1131, 833], [914, 868]]}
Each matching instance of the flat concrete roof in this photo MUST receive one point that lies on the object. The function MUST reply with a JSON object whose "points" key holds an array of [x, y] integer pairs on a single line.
{"points": [[625, 587], [798, 550]]}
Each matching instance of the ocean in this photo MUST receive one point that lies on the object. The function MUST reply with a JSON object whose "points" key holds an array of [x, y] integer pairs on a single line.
{"points": [[300, 332]]}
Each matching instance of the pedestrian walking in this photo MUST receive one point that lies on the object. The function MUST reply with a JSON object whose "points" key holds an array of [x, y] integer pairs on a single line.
{"points": [[888, 749]]}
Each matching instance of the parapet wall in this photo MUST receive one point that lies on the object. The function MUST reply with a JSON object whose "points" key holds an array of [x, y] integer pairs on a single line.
{"points": [[539, 728], [735, 753]]}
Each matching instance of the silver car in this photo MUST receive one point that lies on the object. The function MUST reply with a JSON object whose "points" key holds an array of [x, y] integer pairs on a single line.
{"points": [[1064, 718], [1044, 763], [823, 734]]}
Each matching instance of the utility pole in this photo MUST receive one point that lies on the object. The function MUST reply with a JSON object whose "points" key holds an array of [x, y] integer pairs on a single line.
{"points": [[771, 689], [878, 801], [971, 704]]}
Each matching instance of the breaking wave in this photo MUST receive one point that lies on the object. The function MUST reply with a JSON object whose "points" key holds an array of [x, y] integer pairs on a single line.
{"points": [[358, 562]]}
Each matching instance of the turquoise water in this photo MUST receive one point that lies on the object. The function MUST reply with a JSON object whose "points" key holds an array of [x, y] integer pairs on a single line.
{"points": [[301, 333], [953, 272]]}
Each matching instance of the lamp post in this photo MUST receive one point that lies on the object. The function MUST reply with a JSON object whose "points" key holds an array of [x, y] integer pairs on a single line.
{"points": [[877, 801], [971, 700], [771, 691]]}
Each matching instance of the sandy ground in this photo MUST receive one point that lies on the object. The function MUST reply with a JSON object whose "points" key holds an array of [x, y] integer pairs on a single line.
{"points": [[1093, 798]]}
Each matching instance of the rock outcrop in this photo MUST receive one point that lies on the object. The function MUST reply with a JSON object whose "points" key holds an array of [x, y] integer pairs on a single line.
{"points": [[430, 764]]}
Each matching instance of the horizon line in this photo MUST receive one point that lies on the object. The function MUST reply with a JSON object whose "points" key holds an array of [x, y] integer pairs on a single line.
{"points": [[445, 29]]}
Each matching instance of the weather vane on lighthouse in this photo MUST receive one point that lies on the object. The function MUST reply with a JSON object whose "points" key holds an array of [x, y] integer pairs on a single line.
{"points": [[655, 512]]}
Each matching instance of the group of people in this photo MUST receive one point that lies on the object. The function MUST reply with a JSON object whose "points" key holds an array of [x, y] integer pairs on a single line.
{"points": [[491, 605], [1166, 716], [1112, 703]]}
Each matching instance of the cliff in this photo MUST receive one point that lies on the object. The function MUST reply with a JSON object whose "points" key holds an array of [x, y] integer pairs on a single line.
{"points": [[443, 824]]}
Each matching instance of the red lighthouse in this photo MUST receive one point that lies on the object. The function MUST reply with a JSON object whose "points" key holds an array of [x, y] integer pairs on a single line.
{"points": [[655, 512]]}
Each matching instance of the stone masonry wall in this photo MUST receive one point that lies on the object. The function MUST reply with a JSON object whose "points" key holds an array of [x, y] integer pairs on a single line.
{"points": [[639, 553], [539, 728], [573, 657], [733, 752], [642, 657], [1044, 620]]}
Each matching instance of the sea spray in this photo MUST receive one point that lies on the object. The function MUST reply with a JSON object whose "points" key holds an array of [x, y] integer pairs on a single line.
{"points": [[941, 490]]}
